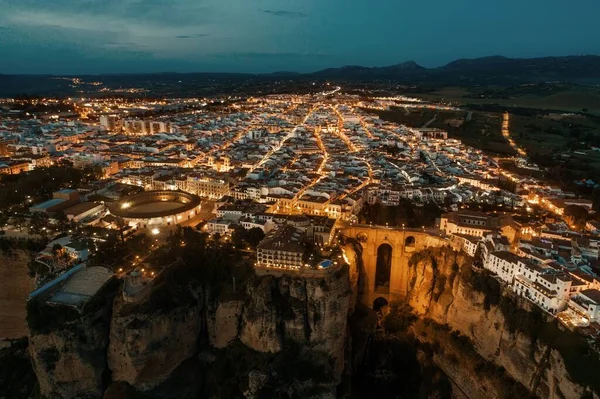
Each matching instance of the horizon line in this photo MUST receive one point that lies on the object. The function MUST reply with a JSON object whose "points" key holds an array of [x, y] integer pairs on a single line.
{"points": [[295, 72]]}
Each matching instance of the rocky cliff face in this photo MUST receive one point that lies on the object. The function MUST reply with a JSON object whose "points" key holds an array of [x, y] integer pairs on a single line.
{"points": [[439, 290], [147, 344], [179, 327], [224, 323], [15, 286], [312, 312], [70, 360]]}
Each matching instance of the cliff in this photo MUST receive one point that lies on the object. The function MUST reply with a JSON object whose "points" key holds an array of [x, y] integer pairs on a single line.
{"points": [[68, 348], [15, 286], [444, 288], [186, 338], [311, 312], [147, 344]]}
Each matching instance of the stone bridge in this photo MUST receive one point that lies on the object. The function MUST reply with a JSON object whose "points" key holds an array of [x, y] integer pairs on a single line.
{"points": [[386, 252]]}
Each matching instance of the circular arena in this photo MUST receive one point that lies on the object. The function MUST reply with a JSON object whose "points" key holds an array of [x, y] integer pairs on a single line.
{"points": [[160, 207]]}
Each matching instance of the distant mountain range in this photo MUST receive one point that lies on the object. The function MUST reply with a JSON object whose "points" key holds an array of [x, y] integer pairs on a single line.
{"points": [[494, 70], [485, 70]]}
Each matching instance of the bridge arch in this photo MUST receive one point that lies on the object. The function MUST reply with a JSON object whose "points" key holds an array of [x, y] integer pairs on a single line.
{"points": [[376, 242], [383, 268]]}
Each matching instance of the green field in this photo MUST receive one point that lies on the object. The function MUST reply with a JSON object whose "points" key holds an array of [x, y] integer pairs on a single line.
{"points": [[568, 98]]}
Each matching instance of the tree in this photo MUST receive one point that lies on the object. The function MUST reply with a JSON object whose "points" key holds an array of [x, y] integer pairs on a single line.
{"points": [[255, 236], [93, 172], [110, 251], [239, 235], [120, 222], [576, 215], [3, 220], [139, 244], [20, 221], [62, 221], [56, 250], [39, 224]]}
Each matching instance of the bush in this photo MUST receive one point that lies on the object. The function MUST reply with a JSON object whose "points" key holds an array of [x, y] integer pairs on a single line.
{"points": [[400, 318], [581, 361], [227, 376], [484, 283], [43, 318], [50, 356]]}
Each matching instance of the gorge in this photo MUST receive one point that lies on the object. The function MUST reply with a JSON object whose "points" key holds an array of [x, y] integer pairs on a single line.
{"points": [[453, 332]]}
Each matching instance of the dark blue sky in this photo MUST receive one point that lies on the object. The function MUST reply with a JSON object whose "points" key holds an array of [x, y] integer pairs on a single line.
{"points": [[108, 36]]}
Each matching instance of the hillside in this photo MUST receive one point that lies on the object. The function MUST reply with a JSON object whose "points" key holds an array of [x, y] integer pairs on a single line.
{"points": [[495, 70]]}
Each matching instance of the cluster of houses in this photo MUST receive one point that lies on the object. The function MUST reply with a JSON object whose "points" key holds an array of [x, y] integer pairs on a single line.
{"points": [[556, 273]]}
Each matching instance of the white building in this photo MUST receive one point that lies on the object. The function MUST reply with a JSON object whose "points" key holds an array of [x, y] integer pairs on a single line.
{"points": [[220, 226], [282, 248], [586, 305], [549, 291]]}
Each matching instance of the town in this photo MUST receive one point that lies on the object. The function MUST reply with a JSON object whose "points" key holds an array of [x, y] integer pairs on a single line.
{"points": [[293, 171]]}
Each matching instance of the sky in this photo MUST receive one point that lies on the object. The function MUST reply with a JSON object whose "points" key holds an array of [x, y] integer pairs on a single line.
{"points": [[128, 36]]}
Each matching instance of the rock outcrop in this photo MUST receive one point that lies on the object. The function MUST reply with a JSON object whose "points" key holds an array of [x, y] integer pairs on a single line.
{"points": [[70, 360], [223, 323], [15, 286], [439, 290], [182, 328], [311, 312], [147, 344]]}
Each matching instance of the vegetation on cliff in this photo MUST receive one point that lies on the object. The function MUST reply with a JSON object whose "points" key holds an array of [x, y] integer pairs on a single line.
{"points": [[458, 351], [17, 379], [293, 373], [581, 360]]}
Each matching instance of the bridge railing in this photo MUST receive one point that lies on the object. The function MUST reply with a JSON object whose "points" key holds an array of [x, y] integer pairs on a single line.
{"points": [[428, 230]]}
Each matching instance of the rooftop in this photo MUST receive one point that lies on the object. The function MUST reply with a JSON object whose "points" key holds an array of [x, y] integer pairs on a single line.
{"points": [[81, 286], [285, 238]]}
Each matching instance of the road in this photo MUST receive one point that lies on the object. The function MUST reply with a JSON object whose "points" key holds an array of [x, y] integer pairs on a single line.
{"points": [[319, 171], [286, 138], [204, 214], [506, 134], [429, 122]]}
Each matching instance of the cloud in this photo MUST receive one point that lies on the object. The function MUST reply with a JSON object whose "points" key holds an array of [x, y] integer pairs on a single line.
{"points": [[191, 36], [150, 18], [271, 55], [283, 13], [124, 45]]}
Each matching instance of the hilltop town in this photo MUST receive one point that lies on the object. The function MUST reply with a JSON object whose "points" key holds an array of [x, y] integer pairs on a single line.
{"points": [[108, 191], [313, 162]]}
